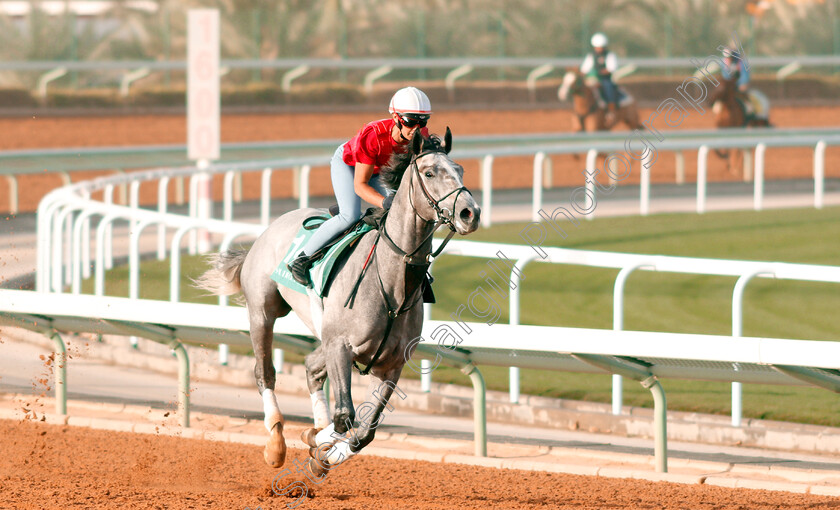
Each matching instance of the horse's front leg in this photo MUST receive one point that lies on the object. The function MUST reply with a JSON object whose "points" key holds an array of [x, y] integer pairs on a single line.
{"points": [[370, 413], [338, 359]]}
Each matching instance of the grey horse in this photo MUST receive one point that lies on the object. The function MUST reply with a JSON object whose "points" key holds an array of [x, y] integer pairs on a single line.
{"points": [[384, 273]]}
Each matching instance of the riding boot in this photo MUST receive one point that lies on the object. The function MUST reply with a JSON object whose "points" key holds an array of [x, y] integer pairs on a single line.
{"points": [[300, 269]]}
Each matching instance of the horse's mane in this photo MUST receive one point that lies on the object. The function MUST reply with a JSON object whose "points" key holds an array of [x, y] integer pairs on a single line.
{"points": [[391, 174]]}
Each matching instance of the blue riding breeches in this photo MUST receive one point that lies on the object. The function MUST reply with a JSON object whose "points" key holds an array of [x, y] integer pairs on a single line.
{"points": [[349, 203], [610, 91]]}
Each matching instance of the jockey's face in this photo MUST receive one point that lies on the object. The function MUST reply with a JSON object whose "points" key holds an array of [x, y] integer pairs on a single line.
{"points": [[404, 133], [599, 49]]}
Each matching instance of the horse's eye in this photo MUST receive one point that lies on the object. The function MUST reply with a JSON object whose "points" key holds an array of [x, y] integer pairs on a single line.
{"points": [[429, 175]]}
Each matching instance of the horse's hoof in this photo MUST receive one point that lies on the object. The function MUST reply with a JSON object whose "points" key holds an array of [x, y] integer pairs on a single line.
{"points": [[275, 448], [313, 452], [308, 436], [317, 468]]}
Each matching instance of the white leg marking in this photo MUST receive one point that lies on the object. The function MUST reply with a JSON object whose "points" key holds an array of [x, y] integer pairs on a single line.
{"points": [[325, 436], [339, 453], [271, 409], [319, 409]]}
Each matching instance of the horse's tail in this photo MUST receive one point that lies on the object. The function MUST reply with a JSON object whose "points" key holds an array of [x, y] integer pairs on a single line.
{"points": [[223, 278]]}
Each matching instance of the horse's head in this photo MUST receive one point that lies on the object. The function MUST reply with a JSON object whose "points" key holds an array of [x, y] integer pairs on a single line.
{"points": [[434, 184], [572, 81]]}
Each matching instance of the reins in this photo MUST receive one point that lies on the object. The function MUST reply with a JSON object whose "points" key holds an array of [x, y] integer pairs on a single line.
{"points": [[409, 258]]}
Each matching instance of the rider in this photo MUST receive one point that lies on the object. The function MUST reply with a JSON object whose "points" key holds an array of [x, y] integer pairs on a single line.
{"points": [[600, 64], [354, 170], [735, 66]]}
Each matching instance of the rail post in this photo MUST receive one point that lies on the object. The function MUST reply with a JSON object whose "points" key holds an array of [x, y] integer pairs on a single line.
{"points": [[303, 200], [265, 196], [183, 382], [737, 332], [702, 159], [486, 189], [819, 174], [758, 185], [591, 163], [537, 186], [60, 373], [618, 325], [644, 185], [513, 313], [163, 188], [479, 408]]}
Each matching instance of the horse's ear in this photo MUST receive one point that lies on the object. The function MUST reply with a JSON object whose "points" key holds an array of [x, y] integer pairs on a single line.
{"points": [[417, 142], [447, 140]]}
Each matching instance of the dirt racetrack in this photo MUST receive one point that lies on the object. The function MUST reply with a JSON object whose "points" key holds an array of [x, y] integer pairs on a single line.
{"points": [[48, 466], [54, 466], [35, 132]]}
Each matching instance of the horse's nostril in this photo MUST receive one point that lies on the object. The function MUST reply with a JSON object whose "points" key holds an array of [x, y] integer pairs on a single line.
{"points": [[466, 214]]}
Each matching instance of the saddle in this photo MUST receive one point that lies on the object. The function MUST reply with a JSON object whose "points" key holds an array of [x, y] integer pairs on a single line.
{"points": [[756, 104], [326, 259], [624, 97]]}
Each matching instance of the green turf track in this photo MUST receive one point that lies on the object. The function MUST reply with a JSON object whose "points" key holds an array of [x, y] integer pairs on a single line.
{"points": [[582, 297]]}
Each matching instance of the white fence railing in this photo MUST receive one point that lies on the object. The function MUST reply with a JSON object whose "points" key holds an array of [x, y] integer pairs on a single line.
{"points": [[520, 256], [64, 161], [69, 220], [59, 202], [66, 218], [378, 68]]}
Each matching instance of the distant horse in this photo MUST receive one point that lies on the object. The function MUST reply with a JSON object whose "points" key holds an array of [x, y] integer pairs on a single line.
{"points": [[590, 110], [731, 111], [378, 327]]}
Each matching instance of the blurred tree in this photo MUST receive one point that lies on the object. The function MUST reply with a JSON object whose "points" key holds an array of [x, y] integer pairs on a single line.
{"points": [[698, 26], [422, 28]]}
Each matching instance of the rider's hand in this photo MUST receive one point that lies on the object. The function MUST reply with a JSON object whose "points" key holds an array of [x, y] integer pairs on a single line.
{"points": [[386, 202]]}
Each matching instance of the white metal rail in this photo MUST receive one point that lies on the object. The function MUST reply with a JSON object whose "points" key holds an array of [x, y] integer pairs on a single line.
{"points": [[400, 63], [520, 256], [66, 215], [643, 356], [57, 205]]}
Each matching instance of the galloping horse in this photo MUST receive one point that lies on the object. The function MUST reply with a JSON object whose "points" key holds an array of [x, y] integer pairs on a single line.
{"points": [[730, 111], [385, 316], [589, 109]]}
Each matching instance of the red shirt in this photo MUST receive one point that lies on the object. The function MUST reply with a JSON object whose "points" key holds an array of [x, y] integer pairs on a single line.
{"points": [[373, 145]]}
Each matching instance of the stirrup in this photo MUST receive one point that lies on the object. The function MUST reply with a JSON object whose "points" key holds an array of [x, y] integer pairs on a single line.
{"points": [[300, 269]]}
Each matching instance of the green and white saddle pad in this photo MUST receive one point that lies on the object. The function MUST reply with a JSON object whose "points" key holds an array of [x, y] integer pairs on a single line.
{"points": [[321, 270]]}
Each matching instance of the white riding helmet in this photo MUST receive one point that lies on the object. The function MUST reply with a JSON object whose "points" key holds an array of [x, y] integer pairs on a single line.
{"points": [[411, 101], [599, 40]]}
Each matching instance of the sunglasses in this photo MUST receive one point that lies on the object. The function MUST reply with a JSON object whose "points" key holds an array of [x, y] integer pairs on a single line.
{"points": [[411, 122]]}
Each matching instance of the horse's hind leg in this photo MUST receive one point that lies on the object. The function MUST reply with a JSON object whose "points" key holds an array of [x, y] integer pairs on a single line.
{"points": [[264, 307]]}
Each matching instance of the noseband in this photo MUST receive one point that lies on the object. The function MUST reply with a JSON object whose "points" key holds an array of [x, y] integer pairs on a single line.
{"points": [[442, 217]]}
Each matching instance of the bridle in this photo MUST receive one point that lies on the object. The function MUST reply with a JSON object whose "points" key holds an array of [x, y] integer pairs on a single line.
{"points": [[419, 264], [443, 216]]}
